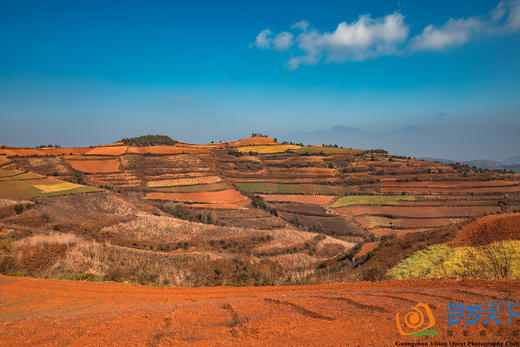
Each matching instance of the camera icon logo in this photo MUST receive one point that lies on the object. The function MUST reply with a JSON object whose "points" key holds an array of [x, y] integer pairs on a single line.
{"points": [[417, 322]]}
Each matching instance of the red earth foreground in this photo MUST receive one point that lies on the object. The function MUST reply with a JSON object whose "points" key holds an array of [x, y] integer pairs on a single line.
{"points": [[56, 312]]}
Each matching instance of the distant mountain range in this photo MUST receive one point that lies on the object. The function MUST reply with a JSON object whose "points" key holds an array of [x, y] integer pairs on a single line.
{"points": [[410, 140], [484, 163]]}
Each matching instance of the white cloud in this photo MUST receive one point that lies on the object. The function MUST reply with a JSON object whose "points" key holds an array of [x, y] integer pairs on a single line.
{"points": [[283, 41], [513, 18], [263, 40], [302, 25], [368, 37], [454, 32]]}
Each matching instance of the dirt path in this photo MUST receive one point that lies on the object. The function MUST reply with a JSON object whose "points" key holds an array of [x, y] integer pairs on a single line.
{"points": [[52, 312]]}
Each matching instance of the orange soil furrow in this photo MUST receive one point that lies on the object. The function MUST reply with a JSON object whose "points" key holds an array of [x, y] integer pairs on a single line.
{"points": [[53, 312]]}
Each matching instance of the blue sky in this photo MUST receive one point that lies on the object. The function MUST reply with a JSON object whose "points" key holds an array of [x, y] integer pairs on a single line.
{"points": [[86, 73]]}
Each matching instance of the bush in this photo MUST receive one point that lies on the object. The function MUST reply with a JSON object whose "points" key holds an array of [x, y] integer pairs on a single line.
{"points": [[19, 208], [208, 217]]}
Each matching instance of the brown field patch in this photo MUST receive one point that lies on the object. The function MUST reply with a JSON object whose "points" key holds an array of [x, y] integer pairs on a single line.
{"points": [[220, 197], [450, 184], [365, 249], [219, 206], [489, 229], [322, 200], [369, 222], [412, 190], [4, 160], [286, 180], [418, 212], [380, 232], [95, 166], [251, 141]]}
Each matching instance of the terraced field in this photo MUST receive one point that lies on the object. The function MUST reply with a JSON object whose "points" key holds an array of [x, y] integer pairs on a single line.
{"points": [[95, 165], [284, 188], [322, 200], [352, 198], [16, 184], [267, 149], [228, 196]]}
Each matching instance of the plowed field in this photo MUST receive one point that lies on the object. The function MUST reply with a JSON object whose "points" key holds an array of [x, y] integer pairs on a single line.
{"points": [[51, 312], [322, 200], [221, 197], [94, 166]]}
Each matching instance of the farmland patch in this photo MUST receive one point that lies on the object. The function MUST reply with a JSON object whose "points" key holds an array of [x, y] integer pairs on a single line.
{"points": [[281, 188], [372, 200]]}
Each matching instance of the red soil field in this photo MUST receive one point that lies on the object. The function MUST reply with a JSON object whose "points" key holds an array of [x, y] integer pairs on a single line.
{"points": [[165, 150], [53, 312], [450, 190], [368, 223], [322, 200], [220, 197], [43, 152], [420, 211], [219, 206], [109, 150], [489, 229], [451, 183], [379, 232], [286, 180], [94, 166]]}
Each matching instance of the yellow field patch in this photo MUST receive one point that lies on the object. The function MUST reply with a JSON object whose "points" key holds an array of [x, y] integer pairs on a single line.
{"points": [[267, 149], [185, 181], [51, 188]]}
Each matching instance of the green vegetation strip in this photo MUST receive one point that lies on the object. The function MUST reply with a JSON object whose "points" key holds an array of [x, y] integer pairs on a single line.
{"points": [[277, 188], [24, 176], [26, 190], [214, 187], [440, 261], [9, 172], [373, 200]]}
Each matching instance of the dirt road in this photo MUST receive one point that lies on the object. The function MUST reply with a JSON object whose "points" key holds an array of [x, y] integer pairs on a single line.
{"points": [[52, 312]]}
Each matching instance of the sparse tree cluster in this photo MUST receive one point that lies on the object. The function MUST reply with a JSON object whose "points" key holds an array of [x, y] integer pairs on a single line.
{"points": [[149, 140]]}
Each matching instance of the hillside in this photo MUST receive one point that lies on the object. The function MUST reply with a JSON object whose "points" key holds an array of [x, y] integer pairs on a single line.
{"points": [[247, 212]]}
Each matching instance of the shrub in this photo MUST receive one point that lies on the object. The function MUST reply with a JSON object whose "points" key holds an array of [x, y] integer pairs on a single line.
{"points": [[208, 217], [19, 208]]}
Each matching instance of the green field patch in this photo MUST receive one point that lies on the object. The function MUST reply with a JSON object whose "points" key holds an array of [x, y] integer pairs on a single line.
{"points": [[51, 188], [327, 150], [380, 222], [9, 172], [373, 200], [440, 261], [214, 187], [284, 188], [27, 189], [24, 176]]}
